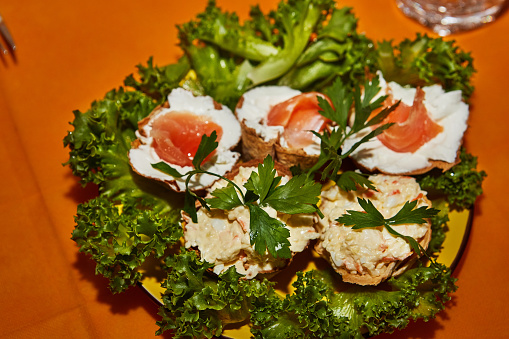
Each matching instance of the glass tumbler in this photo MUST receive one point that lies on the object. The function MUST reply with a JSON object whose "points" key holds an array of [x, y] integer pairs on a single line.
{"points": [[450, 16]]}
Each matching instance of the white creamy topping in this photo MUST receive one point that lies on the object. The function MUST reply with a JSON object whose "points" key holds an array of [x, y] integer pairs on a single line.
{"points": [[446, 108], [222, 237], [182, 100], [364, 249], [256, 106]]}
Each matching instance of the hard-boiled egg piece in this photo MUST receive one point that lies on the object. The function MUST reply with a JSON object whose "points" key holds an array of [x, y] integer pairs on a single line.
{"points": [[276, 120], [172, 133], [446, 109]]}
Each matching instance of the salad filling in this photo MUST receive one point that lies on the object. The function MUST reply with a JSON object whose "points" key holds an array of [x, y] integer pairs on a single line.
{"points": [[368, 256], [222, 236]]}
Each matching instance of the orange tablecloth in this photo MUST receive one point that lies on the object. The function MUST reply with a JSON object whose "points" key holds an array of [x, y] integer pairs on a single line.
{"points": [[71, 52]]}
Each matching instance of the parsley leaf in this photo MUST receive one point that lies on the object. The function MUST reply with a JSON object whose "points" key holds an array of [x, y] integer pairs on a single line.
{"points": [[265, 181], [225, 198], [165, 168], [350, 181], [268, 233], [409, 215], [298, 195], [190, 205], [371, 217], [207, 145], [343, 99]]}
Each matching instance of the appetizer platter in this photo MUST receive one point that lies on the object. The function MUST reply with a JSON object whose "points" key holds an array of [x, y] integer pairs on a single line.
{"points": [[286, 177]]}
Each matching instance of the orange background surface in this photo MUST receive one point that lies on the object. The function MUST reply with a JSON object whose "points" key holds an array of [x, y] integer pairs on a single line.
{"points": [[72, 52]]}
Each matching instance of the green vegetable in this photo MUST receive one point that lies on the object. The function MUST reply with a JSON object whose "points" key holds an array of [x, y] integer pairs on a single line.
{"points": [[120, 235], [303, 44], [315, 310], [157, 82], [100, 142], [99, 145], [296, 21], [198, 306], [298, 195], [343, 98], [338, 51], [460, 186], [195, 305], [439, 227], [371, 217], [427, 61]]}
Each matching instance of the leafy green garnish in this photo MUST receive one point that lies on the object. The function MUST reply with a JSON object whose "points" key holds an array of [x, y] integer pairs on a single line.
{"points": [[460, 186], [351, 181], [267, 233], [426, 61], [198, 306], [120, 236], [316, 310], [263, 188], [371, 217], [303, 44], [331, 155]]}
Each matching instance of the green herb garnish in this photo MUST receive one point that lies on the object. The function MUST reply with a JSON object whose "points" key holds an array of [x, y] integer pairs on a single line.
{"points": [[343, 98], [371, 217], [298, 195]]}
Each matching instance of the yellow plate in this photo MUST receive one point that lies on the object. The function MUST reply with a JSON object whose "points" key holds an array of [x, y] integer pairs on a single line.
{"points": [[453, 246]]}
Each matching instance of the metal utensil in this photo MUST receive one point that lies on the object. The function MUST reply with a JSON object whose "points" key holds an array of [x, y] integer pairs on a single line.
{"points": [[7, 38]]}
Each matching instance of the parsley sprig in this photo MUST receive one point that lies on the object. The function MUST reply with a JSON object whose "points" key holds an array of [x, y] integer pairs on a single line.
{"points": [[263, 189], [343, 98], [371, 217]]}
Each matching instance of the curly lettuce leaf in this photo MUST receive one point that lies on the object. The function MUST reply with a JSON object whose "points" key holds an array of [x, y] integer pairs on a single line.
{"points": [[120, 235], [157, 82], [460, 186], [338, 51], [426, 61], [99, 146], [314, 310], [196, 305]]}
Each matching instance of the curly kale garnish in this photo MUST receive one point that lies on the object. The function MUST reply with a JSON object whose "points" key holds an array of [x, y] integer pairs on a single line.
{"points": [[157, 82], [303, 45]]}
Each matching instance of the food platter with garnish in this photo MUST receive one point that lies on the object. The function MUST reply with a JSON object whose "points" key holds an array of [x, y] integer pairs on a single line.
{"points": [[286, 176]]}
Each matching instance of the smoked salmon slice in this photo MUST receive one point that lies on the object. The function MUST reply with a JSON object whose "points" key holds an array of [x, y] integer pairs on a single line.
{"points": [[176, 136], [412, 127], [299, 115]]}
